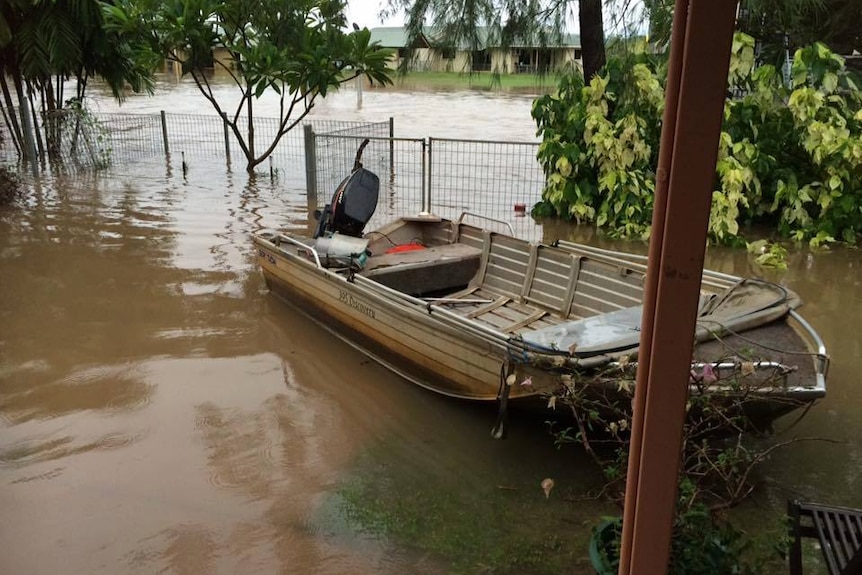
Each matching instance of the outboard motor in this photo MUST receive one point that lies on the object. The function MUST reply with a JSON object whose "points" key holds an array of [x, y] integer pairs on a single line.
{"points": [[339, 229], [353, 202]]}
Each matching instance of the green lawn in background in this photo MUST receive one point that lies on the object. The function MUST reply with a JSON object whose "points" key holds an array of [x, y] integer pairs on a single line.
{"points": [[529, 83]]}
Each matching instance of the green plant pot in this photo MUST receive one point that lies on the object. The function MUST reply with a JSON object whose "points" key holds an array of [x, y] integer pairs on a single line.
{"points": [[605, 546]]}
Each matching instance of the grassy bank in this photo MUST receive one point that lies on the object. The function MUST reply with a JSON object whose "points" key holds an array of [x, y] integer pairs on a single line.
{"points": [[471, 518], [490, 530], [485, 81]]}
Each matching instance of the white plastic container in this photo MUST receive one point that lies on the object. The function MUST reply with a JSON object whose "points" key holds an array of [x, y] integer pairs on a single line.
{"points": [[339, 245]]}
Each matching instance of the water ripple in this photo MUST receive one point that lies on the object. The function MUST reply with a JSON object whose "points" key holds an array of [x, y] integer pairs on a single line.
{"points": [[33, 451]]}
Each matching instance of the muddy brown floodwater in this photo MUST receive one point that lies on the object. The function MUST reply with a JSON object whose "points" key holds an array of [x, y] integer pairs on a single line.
{"points": [[161, 412]]}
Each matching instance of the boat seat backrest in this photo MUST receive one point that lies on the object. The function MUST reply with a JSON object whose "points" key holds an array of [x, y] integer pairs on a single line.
{"points": [[469, 235], [563, 282], [505, 261], [603, 287], [553, 275]]}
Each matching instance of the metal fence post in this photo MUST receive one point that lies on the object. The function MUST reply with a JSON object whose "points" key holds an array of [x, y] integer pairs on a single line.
{"points": [[165, 134], [310, 169], [426, 176], [29, 143], [226, 137], [391, 147]]}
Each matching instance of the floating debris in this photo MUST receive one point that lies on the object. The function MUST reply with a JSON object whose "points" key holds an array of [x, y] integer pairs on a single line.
{"points": [[547, 485]]}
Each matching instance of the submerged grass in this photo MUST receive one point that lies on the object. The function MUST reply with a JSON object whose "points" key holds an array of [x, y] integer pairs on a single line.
{"points": [[472, 529]]}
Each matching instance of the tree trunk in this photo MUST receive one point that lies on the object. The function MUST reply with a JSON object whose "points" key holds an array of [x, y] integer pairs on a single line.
{"points": [[252, 161], [592, 36], [52, 119], [27, 130], [17, 134], [35, 120]]}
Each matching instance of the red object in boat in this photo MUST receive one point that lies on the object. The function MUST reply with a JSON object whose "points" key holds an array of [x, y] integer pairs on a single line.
{"points": [[405, 248]]}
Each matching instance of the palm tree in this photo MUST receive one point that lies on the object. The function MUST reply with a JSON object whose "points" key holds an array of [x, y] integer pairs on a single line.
{"points": [[10, 16], [45, 42]]}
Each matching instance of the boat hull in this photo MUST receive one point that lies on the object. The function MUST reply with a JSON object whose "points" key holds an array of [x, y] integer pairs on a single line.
{"points": [[428, 353], [458, 351]]}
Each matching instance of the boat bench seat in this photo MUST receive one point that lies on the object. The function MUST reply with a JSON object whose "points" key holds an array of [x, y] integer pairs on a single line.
{"points": [[528, 284], [533, 275], [429, 270]]}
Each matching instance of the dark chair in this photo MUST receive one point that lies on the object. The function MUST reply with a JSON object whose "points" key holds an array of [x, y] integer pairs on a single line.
{"points": [[837, 529]]}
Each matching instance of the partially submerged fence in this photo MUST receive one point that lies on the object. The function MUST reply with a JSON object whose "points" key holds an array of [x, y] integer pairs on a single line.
{"points": [[77, 139], [492, 178], [209, 137], [398, 162], [502, 180]]}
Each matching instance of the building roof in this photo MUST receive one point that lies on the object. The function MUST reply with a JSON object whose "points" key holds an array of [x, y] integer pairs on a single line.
{"points": [[396, 37]]}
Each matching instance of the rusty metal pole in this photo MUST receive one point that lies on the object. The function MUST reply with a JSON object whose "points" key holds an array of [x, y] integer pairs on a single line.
{"points": [[697, 84], [680, 18]]}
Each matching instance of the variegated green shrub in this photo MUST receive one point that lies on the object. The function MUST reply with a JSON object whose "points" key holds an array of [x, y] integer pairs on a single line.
{"points": [[789, 157], [600, 145]]}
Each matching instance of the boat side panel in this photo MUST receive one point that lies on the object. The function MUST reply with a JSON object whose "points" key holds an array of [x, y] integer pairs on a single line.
{"points": [[460, 366]]}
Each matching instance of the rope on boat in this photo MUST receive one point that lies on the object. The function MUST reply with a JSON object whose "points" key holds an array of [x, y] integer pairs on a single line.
{"points": [[500, 430]]}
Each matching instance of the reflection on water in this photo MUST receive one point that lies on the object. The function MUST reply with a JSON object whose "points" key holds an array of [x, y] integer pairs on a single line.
{"points": [[104, 388], [159, 411]]}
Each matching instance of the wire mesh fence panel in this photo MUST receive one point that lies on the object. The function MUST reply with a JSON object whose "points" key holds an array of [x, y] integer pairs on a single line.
{"points": [[398, 162], [73, 138], [265, 132], [345, 128], [195, 135], [9, 145], [206, 137], [69, 138], [338, 128], [500, 180], [287, 159], [335, 150], [132, 136]]}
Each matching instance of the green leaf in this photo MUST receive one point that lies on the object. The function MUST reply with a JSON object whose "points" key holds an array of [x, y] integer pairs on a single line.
{"points": [[564, 166]]}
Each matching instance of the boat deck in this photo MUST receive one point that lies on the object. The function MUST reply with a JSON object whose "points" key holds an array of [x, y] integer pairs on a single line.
{"points": [[777, 340], [516, 287], [521, 287], [512, 286]]}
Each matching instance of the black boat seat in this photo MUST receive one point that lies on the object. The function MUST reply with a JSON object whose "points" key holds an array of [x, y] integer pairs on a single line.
{"points": [[428, 270]]}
